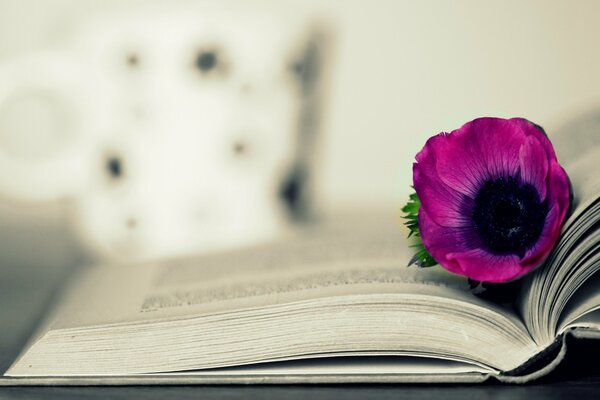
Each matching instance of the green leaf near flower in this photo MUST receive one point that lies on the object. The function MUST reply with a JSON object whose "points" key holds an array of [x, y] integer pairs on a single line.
{"points": [[422, 258]]}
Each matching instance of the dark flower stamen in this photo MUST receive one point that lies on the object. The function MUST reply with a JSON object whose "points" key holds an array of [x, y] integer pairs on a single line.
{"points": [[509, 216]]}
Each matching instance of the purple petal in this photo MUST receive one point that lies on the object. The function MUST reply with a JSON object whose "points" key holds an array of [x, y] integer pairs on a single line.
{"points": [[534, 165], [538, 253], [558, 189], [536, 131], [440, 240], [481, 150], [558, 199], [481, 265], [460, 172], [445, 205]]}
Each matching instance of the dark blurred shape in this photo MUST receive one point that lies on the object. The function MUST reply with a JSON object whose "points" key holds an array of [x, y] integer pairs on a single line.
{"points": [[113, 165], [311, 70], [206, 60]]}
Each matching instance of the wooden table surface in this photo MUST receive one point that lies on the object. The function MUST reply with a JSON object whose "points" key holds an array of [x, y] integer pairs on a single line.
{"points": [[25, 295]]}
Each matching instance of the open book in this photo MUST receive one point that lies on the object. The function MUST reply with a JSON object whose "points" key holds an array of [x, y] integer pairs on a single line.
{"points": [[330, 303]]}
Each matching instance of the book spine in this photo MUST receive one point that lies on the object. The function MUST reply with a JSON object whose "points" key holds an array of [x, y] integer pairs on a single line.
{"points": [[540, 364]]}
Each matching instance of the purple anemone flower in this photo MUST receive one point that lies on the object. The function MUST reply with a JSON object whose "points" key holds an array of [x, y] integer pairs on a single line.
{"points": [[493, 198]]}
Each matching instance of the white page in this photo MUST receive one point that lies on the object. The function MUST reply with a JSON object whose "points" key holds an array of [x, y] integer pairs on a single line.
{"points": [[358, 257], [541, 288]]}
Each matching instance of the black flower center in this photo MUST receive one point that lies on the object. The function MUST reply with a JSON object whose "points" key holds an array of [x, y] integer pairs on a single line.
{"points": [[509, 216]]}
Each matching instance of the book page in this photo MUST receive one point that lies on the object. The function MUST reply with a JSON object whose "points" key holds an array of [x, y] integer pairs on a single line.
{"points": [[585, 181], [551, 286], [577, 137], [590, 321], [586, 301], [331, 290], [351, 255], [365, 365]]}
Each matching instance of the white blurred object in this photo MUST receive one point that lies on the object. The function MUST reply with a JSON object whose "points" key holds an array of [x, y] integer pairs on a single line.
{"points": [[49, 121], [172, 130]]}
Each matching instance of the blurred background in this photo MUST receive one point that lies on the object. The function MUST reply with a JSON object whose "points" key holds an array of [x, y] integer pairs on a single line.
{"points": [[134, 130]]}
